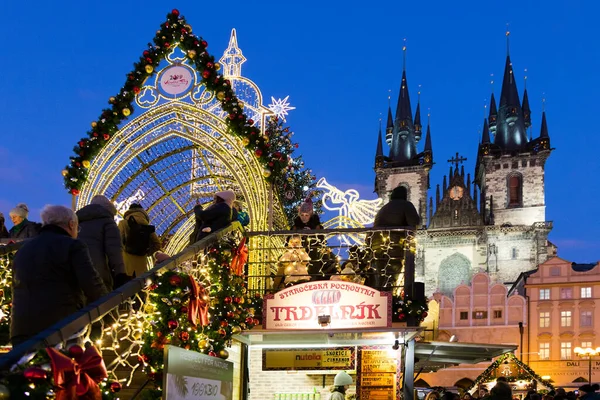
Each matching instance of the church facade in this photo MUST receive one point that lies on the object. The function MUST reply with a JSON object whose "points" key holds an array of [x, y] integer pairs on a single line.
{"points": [[493, 221]]}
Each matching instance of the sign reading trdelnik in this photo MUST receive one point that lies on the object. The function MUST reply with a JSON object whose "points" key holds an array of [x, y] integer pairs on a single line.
{"points": [[349, 305]]}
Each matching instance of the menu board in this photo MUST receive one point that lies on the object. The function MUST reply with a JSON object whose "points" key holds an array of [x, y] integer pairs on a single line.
{"points": [[330, 358], [377, 374]]}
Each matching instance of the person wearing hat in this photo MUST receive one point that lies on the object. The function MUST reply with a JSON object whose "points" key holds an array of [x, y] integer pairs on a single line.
{"points": [[23, 228], [588, 392], [99, 231], [3, 232], [341, 382], [216, 216]]}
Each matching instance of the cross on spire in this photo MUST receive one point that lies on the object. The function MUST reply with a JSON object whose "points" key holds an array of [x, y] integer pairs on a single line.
{"points": [[456, 160]]}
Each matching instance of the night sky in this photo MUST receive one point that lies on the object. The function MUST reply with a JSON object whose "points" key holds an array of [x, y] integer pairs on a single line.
{"points": [[337, 60]]}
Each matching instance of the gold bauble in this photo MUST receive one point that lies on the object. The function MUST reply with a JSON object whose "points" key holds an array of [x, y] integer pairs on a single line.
{"points": [[111, 100], [245, 141], [94, 124], [188, 28], [220, 95], [192, 54], [203, 344], [265, 138], [241, 104], [149, 69], [65, 172], [86, 163], [126, 112], [266, 173], [4, 392], [217, 66], [235, 330], [224, 354]]}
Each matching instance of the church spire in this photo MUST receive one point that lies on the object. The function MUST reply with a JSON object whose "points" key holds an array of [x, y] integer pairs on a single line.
{"points": [[418, 117], [233, 58], [525, 107], [485, 137], [493, 113], [510, 127], [379, 151], [389, 128], [544, 128]]}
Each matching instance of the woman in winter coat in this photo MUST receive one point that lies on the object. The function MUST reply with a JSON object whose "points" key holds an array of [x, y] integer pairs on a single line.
{"points": [[99, 231], [3, 232], [340, 384], [216, 216], [23, 228], [137, 264]]}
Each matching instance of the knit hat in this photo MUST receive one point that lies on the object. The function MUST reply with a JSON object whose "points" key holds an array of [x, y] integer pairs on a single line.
{"points": [[228, 196], [21, 210], [103, 201], [342, 379], [306, 207], [399, 193]]}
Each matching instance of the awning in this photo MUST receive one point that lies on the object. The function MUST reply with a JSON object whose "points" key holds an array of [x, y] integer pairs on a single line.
{"points": [[432, 356]]}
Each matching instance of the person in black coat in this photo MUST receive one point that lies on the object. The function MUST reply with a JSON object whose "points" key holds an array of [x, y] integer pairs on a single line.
{"points": [[3, 232], [23, 228], [388, 247], [216, 216], [53, 276], [99, 231]]}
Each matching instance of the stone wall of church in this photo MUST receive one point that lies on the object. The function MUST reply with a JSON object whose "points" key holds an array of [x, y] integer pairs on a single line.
{"points": [[531, 170], [415, 178]]}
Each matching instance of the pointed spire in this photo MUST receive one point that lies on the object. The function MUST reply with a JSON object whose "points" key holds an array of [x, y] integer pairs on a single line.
{"points": [[510, 132], [428, 138], [430, 208], [493, 113], [525, 107], [462, 171], [379, 151], [418, 117], [469, 183], [485, 137], [389, 129], [445, 185], [544, 128], [437, 196], [233, 58]]}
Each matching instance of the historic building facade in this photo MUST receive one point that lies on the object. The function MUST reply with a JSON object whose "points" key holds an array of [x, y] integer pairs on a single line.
{"points": [[494, 221], [563, 297]]}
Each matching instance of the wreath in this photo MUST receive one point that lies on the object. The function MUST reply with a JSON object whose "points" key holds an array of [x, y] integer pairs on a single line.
{"points": [[174, 32], [404, 307]]}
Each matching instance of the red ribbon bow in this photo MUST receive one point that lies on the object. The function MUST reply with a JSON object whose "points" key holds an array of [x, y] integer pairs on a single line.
{"points": [[239, 258], [77, 379], [198, 307]]}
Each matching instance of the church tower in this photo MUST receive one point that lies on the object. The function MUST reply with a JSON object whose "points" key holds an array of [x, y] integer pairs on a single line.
{"points": [[404, 166]]}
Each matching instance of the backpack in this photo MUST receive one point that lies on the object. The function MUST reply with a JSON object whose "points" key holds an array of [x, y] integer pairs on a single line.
{"points": [[138, 239]]}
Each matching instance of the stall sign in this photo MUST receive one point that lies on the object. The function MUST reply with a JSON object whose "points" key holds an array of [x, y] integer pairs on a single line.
{"points": [[330, 358], [189, 374], [347, 304]]}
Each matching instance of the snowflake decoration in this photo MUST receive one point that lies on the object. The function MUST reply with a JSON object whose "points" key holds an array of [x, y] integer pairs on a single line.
{"points": [[280, 107]]}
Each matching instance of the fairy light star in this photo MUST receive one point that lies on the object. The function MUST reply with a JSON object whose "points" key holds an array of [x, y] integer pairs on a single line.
{"points": [[280, 107]]}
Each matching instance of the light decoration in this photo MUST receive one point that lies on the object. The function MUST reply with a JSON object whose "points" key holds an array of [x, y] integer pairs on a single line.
{"points": [[5, 297], [589, 353], [352, 213], [280, 107]]}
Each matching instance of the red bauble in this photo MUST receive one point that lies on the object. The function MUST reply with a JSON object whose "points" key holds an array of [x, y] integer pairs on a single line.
{"points": [[236, 300], [212, 353], [256, 321], [175, 12], [136, 90], [78, 164], [159, 334], [34, 373], [249, 320], [74, 192], [206, 74], [250, 121], [153, 286], [131, 77], [257, 295], [227, 300], [204, 43], [146, 53], [402, 316], [106, 136], [172, 324], [167, 45], [95, 134], [75, 351], [258, 152], [222, 332], [230, 314], [209, 65], [224, 324], [184, 336], [271, 163], [81, 143], [231, 116], [424, 315], [175, 280], [148, 60], [183, 310], [115, 387]]}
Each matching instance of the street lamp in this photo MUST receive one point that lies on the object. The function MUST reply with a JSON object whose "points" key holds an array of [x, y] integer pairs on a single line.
{"points": [[589, 353]]}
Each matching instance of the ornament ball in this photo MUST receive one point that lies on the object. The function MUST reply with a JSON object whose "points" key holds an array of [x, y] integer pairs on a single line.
{"points": [[212, 353], [172, 324], [220, 95], [149, 69], [34, 373], [245, 142], [224, 354], [75, 351], [266, 173], [115, 387], [192, 53], [175, 280], [126, 112], [227, 300]]}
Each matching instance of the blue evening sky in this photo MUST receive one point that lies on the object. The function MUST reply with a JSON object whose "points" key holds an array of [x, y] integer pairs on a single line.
{"points": [[336, 60]]}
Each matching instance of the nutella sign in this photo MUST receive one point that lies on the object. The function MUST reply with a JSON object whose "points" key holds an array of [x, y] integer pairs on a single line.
{"points": [[349, 305]]}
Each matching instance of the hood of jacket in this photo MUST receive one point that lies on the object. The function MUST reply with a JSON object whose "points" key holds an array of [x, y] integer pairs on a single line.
{"points": [[139, 214], [93, 211]]}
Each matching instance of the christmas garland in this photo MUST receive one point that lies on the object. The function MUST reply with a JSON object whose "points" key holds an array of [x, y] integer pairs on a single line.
{"points": [[174, 32], [404, 307], [5, 297], [199, 316], [50, 373]]}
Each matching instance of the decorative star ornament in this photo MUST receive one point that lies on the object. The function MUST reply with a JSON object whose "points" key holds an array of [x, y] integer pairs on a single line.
{"points": [[280, 107]]}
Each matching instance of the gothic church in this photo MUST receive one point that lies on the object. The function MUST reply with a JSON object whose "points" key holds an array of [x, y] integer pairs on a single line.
{"points": [[494, 221]]}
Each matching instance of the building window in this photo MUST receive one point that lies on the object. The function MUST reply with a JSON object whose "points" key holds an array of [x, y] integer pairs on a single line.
{"points": [[544, 351], [464, 315], [515, 189], [479, 314], [566, 293], [497, 313], [587, 345], [586, 292], [565, 350], [565, 318], [555, 271], [544, 294], [586, 318], [514, 253], [545, 319]]}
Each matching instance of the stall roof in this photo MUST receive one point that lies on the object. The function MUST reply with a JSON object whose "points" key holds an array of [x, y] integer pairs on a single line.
{"points": [[431, 356]]}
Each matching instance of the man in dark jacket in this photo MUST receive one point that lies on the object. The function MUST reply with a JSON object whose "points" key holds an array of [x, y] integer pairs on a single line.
{"points": [[216, 216], [388, 247], [53, 276], [99, 231]]}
